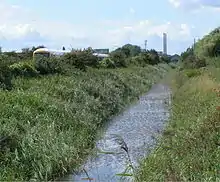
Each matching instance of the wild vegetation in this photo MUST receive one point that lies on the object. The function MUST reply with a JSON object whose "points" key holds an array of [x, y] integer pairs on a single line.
{"points": [[189, 147], [51, 109]]}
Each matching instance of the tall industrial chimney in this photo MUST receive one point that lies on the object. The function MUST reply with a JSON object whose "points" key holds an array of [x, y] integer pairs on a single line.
{"points": [[165, 43]]}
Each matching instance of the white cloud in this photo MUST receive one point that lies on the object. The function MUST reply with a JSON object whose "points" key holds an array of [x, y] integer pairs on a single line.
{"points": [[196, 4], [20, 28]]}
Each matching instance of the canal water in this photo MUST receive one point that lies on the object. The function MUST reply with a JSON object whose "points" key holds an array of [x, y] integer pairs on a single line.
{"points": [[129, 137]]}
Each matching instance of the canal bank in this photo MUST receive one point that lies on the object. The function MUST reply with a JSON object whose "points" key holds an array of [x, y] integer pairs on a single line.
{"points": [[128, 138]]}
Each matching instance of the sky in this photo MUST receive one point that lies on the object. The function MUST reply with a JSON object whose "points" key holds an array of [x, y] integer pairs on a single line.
{"points": [[106, 23]]}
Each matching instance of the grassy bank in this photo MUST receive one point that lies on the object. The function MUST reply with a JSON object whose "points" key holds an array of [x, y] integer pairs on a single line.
{"points": [[189, 149], [49, 124]]}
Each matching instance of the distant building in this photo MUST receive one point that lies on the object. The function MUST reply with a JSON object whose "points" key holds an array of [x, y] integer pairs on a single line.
{"points": [[101, 51], [175, 58], [165, 43]]}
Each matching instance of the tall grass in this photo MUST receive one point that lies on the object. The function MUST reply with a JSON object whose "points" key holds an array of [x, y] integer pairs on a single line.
{"points": [[189, 149], [49, 124]]}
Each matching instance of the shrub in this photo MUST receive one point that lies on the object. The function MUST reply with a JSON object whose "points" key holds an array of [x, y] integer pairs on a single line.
{"points": [[48, 65], [165, 59], [119, 59], [215, 62], [107, 63], [53, 121], [193, 62], [192, 72], [153, 57], [81, 59], [23, 69], [172, 65], [7, 60], [140, 60], [5, 77]]}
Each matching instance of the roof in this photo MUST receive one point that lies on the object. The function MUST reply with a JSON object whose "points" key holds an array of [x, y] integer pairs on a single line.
{"points": [[100, 55], [50, 50], [61, 52]]}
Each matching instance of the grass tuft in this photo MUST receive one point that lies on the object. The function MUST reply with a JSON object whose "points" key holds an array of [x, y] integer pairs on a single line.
{"points": [[189, 148], [49, 123]]}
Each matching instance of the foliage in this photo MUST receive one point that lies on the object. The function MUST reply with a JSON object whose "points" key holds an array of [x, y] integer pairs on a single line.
{"points": [[107, 63], [5, 77], [214, 62], [81, 59], [140, 60], [48, 65], [192, 72], [209, 45], [119, 58], [153, 57], [184, 55], [191, 61], [131, 50], [172, 65], [49, 124], [24, 68], [145, 58], [189, 148], [128, 50], [165, 59]]}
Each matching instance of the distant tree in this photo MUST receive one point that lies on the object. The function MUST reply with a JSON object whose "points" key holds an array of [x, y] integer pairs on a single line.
{"points": [[25, 50], [134, 50], [0, 49], [129, 50], [153, 57], [165, 58], [64, 48], [186, 54], [119, 58]]}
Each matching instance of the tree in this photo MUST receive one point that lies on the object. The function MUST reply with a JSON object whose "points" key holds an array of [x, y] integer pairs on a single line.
{"points": [[129, 50], [64, 48], [119, 58], [25, 50], [134, 50], [153, 57]]}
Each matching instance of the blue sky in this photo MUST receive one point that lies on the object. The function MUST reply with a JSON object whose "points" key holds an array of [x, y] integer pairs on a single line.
{"points": [[105, 23]]}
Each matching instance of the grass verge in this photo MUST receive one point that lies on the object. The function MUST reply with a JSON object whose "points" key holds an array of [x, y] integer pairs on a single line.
{"points": [[190, 147], [49, 124]]}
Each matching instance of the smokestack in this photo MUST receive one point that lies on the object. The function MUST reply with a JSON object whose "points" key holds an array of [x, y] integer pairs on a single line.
{"points": [[165, 43]]}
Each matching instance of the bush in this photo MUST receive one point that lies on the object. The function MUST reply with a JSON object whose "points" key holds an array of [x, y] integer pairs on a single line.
{"points": [[165, 59], [53, 121], [192, 73], [141, 60], [107, 63], [173, 65], [23, 69], [48, 65], [7, 60], [119, 59], [5, 77], [81, 59], [215, 62], [193, 62], [153, 57]]}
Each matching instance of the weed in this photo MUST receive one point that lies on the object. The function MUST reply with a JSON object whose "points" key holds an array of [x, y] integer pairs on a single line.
{"points": [[52, 120], [189, 148]]}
